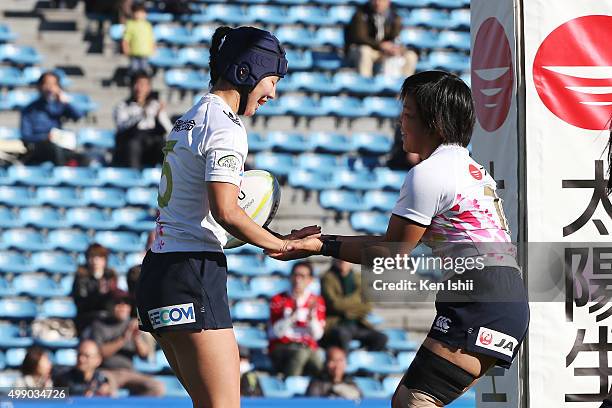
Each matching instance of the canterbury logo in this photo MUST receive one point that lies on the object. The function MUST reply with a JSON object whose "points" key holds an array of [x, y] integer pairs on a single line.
{"points": [[442, 324]]}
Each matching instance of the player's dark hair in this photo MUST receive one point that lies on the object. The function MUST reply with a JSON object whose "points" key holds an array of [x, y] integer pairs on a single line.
{"points": [[308, 265], [220, 32], [444, 105]]}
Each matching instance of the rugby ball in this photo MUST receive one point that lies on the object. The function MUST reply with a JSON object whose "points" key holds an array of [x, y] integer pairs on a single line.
{"points": [[259, 197]]}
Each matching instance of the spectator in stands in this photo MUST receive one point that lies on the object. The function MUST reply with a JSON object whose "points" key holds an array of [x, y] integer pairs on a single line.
{"points": [[138, 41], [249, 383], [44, 117], [297, 322], [346, 311], [85, 378], [142, 123], [35, 369], [92, 284], [333, 382], [120, 340], [370, 38]]}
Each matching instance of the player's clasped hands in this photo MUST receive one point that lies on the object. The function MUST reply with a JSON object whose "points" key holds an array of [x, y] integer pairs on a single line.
{"points": [[299, 244]]}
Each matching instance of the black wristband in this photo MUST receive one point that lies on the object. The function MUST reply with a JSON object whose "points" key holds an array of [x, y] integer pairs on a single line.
{"points": [[329, 237], [331, 248]]}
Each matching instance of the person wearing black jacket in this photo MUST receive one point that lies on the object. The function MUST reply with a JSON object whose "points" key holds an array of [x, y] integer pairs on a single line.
{"points": [[370, 38]]}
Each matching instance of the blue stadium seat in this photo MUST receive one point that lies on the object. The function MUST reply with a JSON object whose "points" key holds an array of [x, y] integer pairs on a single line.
{"points": [[356, 180], [175, 35], [428, 17], [460, 19], [273, 387], [238, 289], [9, 219], [116, 31], [119, 177], [258, 142], [331, 36], [327, 61], [166, 58], [198, 57], [141, 196], [297, 37], [20, 55], [311, 179], [16, 196], [340, 200], [341, 14], [297, 384], [245, 265], [24, 240], [329, 142], [14, 262], [82, 102], [268, 286], [7, 133], [319, 162], [119, 241], [102, 138], [19, 99], [6, 35], [152, 175], [42, 218], [60, 308], [17, 309], [314, 82], [353, 83], [186, 79], [292, 2], [370, 387], [227, 14], [404, 359], [299, 60], [279, 267], [303, 106], [58, 196], [11, 336], [273, 107], [7, 378], [69, 240], [11, 77], [344, 107], [6, 288], [269, 14], [371, 143], [310, 15], [53, 262], [251, 337], [377, 362], [380, 200], [280, 164], [135, 219], [32, 175], [104, 197], [89, 218], [381, 107], [390, 383], [15, 356], [411, 3], [446, 4], [369, 222], [250, 310], [419, 38], [203, 33], [66, 357], [455, 39], [150, 365], [172, 386], [449, 61], [133, 259], [390, 179], [32, 74], [35, 285], [158, 17], [76, 176], [288, 142], [399, 340]]}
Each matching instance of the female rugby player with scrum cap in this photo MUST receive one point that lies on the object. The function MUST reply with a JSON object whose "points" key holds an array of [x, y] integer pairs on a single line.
{"points": [[181, 294], [449, 203]]}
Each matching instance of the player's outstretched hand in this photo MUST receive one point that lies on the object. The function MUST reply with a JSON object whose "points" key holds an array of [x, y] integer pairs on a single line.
{"points": [[298, 249]]}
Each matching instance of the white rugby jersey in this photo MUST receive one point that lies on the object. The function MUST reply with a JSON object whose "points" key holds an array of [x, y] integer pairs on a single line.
{"points": [[208, 143], [456, 198]]}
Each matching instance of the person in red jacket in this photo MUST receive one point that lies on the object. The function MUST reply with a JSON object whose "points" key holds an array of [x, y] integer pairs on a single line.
{"points": [[297, 322]]}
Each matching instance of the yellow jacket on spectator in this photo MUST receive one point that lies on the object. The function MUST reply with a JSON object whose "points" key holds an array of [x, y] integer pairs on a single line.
{"points": [[139, 38]]}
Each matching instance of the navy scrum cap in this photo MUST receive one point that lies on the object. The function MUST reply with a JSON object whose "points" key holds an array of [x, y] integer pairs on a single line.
{"points": [[249, 54]]}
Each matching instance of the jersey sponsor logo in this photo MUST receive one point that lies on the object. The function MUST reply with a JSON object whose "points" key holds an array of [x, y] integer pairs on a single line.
{"points": [[182, 125], [172, 315], [571, 72], [496, 341], [229, 161], [232, 117], [475, 172], [442, 324]]}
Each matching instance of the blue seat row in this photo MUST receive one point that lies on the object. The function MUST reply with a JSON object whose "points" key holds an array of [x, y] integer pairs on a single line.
{"points": [[324, 142], [351, 201], [70, 240], [19, 308], [55, 261], [20, 98], [20, 55], [170, 58], [338, 106], [44, 175], [258, 286], [14, 77], [348, 81], [6, 34]]}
